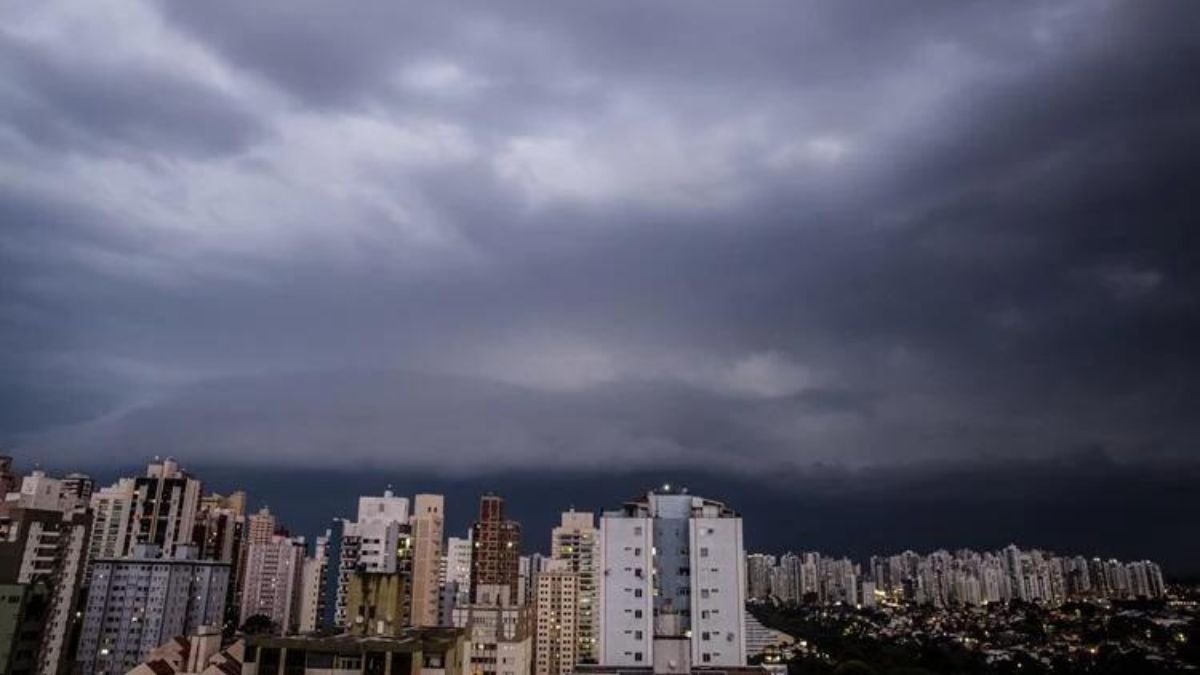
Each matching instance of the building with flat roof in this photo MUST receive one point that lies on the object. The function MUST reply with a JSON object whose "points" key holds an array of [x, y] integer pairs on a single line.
{"points": [[414, 651], [139, 603], [672, 554]]}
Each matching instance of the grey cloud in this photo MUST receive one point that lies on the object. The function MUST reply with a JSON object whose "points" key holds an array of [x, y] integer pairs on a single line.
{"points": [[780, 234], [79, 106]]}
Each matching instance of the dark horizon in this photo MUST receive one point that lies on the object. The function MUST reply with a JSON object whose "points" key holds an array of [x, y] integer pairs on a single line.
{"points": [[1080, 505]]}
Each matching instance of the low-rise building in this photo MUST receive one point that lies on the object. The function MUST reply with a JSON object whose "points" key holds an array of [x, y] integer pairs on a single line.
{"points": [[415, 651]]}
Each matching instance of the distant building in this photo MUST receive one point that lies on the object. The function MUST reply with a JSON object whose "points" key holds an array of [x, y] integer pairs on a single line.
{"points": [[370, 543], [138, 603], [499, 637], [272, 582], [313, 586], [677, 555], [427, 525], [378, 603], [495, 559], [165, 503], [112, 520], [455, 577], [556, 620], [9, 480], [576, 542]]}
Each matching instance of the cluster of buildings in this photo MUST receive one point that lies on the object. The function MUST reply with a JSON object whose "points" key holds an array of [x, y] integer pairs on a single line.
{"points": [[154, 575], [944, 579]]}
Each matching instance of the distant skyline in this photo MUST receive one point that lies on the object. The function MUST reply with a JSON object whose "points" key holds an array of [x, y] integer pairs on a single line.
{"points": [[893, 243], [1085, 505]]}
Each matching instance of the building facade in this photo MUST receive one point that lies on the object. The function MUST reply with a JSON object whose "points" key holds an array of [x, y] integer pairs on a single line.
{"points": [[138, 603], [672, 554], [576, 543], [272, 582], [556, 620], [495, 558], [427, 525]]}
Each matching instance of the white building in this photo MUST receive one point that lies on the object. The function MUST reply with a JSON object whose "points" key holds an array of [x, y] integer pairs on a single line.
{"points": [[671, 553], [369, 543], [272, 582], [138, 603], [39, 491], [112, 511], [455, 576]]}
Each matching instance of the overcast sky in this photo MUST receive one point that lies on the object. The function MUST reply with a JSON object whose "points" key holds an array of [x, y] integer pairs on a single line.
{"points": [[747, 235]]}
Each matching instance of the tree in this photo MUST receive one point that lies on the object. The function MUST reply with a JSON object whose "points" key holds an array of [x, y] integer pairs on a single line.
{"points": [[259, 624]]}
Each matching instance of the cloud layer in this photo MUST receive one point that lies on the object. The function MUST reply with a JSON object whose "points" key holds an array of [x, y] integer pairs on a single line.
{"points": [[744, 236]]}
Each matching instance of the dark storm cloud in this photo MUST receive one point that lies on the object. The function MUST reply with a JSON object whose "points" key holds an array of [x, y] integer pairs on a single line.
{"points": [[675, 234]]}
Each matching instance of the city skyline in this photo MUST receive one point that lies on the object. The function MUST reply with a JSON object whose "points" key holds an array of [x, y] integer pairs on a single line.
{"points": [[533, 503], [661, 581], [669, 337]]}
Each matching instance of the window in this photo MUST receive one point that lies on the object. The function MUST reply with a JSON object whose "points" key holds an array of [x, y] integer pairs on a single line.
{"points": [[637, 656], [704, 636], [703, 551], [637, 531], [704, 593], [637, 592], [637, 635], [637, 613], [706, 657]]}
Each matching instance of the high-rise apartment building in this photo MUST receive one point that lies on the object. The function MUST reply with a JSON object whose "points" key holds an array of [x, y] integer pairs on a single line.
{"points": [[427, 524], [495, 558], [112, 515], [556, 620], [138, 603], [456, 576], [165, 504], [47, 548], [272, 582], [313, 585], [576, 543], [677, 556], [377, 542]]}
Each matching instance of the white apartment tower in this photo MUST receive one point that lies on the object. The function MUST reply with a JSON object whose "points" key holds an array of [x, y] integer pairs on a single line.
{"points": [[455, 576], [370, 544], [679, 556], [112, 511]]}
